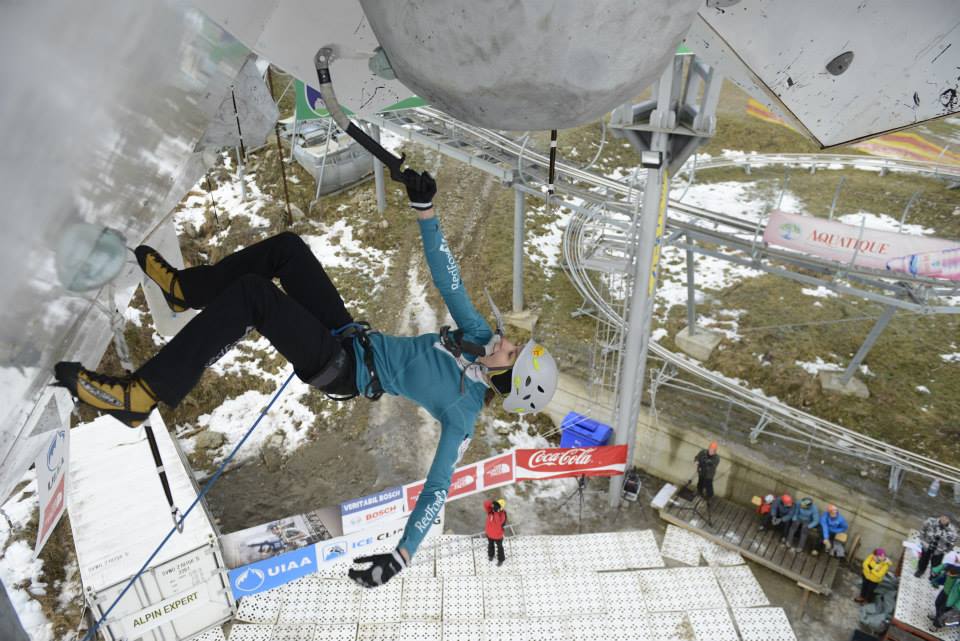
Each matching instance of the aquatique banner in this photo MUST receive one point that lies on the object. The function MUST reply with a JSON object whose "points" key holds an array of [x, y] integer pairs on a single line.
{"points": [[870, 248]]}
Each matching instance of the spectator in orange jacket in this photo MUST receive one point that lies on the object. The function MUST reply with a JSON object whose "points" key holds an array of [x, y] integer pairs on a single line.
{"points": [[496, 519]]}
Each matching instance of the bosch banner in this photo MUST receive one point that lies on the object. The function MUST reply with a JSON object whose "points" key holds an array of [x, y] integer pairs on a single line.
{"points": [[560, 462], [357, 514]]}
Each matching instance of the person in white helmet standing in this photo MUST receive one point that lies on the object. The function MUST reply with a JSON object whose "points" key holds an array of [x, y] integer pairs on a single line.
{"points": [[452, 374]]}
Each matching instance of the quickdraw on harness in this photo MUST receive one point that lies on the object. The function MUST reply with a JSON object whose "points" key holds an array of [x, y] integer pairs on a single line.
{"points": [[360, 332]]}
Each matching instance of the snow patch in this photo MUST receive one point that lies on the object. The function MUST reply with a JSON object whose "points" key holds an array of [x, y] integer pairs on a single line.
{"points": [[813, 367], [17, 565], [882, 222], [819, 292]]}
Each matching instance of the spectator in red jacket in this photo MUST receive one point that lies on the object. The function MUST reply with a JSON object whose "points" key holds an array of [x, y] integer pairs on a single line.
{"points": [[496, 519]]}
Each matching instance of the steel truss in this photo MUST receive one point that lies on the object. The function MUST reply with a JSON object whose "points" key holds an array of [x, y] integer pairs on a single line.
{"points": [[603, 208]]}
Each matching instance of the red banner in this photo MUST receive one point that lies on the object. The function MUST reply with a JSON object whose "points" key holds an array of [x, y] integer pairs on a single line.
{"points": [[498, 471], [561, 462], [411, 493], [464, 481]]}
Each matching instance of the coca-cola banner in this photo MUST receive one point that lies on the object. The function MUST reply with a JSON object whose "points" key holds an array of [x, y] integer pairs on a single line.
{"points": [[867, 247], [560, 462], [498, 471]]}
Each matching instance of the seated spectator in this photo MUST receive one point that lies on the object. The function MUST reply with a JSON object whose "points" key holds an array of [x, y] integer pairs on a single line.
{"points": [[803, 519], [949, 596], [781, 512], [766, 504], [875, 567], [832, 523]]}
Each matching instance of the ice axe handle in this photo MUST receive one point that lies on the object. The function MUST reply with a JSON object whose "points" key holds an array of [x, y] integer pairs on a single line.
{"points": [[322, 63], [381, 154]]}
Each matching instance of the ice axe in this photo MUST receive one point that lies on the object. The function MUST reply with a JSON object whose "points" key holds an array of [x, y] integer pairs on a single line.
{"points": [[321, 61]]}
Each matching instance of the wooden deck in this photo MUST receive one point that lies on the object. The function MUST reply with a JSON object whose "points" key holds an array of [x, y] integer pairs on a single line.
{"points": [[735, 527]]}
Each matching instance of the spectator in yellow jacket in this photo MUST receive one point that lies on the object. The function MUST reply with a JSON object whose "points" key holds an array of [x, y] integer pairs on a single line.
{"points": [[875, 567]]}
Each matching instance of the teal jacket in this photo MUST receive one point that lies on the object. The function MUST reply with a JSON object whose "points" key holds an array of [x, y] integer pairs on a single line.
{"points": [[420, 369]]}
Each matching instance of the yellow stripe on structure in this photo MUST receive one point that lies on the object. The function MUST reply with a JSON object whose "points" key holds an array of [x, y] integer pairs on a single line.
{"points": [[758, 110], [656, 248]]}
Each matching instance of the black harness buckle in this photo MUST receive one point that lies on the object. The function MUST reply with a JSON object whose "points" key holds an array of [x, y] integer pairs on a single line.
{"points": [[360, 331]]}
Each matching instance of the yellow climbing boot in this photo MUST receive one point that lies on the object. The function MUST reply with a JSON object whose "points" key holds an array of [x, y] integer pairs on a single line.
{"points": [[163, 274], [126, 398]]}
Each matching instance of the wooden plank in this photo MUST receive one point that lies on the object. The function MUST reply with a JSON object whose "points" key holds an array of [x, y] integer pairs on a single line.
{"points": [[820, 571], [749, 525], [809, 564], [728, 516], [781, 557], [797, 563], [730, 525]]}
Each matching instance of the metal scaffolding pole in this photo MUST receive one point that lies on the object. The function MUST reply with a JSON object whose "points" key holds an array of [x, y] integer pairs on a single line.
{"points": [[871, 338], [637, 334], [518, 220], [378, 173], [691, 295]]}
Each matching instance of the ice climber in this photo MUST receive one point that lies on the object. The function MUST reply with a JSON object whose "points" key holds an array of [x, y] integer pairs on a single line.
{"points": [[452, 374]]}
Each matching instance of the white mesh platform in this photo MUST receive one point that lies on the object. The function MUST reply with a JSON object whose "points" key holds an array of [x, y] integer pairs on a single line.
{"points": [[560, 588], [680, 589], [763, 624], [915, 599], [740, 587], [681, 545]]}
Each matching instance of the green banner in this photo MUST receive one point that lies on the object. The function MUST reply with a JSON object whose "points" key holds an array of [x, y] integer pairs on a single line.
{"points": [[309, 103]]}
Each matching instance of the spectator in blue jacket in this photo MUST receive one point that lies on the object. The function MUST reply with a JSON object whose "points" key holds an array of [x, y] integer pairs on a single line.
{"points": [[802, 520], [832, 523]]}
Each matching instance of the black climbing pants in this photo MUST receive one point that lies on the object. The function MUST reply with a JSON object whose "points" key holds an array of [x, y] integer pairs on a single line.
{"points": [[238, 294], [499, 545], [705, 487]]}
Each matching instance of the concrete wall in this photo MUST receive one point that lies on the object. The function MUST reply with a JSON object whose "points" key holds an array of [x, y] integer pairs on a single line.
{"points": [[666, 450]]}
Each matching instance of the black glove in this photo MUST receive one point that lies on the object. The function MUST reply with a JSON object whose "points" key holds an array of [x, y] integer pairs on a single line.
{"points": [[421, 188], [383, 567]]}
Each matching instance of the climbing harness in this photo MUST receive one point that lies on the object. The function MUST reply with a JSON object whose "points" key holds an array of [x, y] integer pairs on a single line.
{"points": [[360, 332]]}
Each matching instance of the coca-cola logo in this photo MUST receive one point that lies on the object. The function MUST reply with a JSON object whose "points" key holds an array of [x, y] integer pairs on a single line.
{"points": [[557, 458]]}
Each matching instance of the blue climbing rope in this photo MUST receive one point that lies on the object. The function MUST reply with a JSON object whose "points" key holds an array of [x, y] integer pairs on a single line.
{"points": [[179, 525]]}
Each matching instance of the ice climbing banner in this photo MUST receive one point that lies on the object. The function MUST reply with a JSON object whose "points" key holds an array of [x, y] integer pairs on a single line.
{"points": [[866, 247], [561, 462]]}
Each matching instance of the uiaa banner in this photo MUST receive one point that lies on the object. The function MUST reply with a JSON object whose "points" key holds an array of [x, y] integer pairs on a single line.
{"points": [[561, 462]]}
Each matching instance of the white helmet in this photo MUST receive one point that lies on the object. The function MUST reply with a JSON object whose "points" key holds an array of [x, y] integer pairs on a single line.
{"points": [[533, 381], [768, 498]]}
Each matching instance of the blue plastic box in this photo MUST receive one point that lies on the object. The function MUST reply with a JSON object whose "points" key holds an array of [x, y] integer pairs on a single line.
{"points": [[577, 430]]}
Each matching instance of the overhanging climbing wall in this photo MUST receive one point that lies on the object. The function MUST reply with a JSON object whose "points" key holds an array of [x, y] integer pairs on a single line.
{"points": [[901, 66]]}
